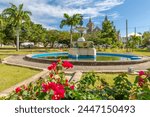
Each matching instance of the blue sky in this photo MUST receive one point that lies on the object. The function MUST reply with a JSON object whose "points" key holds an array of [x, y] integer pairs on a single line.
{"points": [[49, 13]]}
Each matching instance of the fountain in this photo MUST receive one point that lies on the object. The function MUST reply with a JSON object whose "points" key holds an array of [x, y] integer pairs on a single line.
{"points": [[82, 49]]}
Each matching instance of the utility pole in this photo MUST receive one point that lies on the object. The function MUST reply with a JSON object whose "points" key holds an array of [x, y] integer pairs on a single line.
{"points": [[135, 31], [127, 35]]}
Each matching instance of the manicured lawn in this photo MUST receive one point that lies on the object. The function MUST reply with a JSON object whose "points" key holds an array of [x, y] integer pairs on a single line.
{"points": [[140, 52], [11, 75], [7, 52], [98, 58], [26, 51], [3, 56], [107, 58]]}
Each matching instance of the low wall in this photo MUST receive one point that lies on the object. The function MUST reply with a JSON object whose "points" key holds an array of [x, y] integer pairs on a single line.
{"points": [[89, 63]]}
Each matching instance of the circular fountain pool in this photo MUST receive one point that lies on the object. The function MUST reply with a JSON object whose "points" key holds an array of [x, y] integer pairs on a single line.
{"points": [[101, 58]]}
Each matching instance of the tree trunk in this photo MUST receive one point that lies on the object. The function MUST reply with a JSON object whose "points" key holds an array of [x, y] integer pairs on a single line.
{"points": [[17, 46], [45, 44], [70, 36]]}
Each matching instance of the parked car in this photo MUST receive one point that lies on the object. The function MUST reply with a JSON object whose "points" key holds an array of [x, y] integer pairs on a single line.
{"points": [[27, 44]]}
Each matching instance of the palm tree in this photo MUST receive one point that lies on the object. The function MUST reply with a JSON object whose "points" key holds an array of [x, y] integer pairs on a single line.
{"points": [[71, 21], [17, 16]]}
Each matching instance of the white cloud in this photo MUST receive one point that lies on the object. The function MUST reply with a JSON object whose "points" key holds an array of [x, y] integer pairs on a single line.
{"points": [[114, 15], [50, 27], [49, 11]]}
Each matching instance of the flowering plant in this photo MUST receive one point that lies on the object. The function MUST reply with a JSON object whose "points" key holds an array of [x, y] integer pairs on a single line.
{"points": [[58, 87], [123, 89], [141, 87], [55, 87]]}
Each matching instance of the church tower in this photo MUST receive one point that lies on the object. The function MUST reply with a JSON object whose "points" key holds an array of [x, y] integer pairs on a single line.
{"points": [[90, 26]]}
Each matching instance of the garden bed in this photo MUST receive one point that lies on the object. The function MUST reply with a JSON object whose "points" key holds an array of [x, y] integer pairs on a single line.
{"points": [[11, 75], [91, 86]]}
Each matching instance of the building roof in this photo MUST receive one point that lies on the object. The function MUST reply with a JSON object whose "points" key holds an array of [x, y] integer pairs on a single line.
{"points": [[133, 34]]}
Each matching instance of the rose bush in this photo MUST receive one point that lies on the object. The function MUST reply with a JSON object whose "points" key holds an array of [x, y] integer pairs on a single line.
{"points": [[57, 87], [123, 89]]}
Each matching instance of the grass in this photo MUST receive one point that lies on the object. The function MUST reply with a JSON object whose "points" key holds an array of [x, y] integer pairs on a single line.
{"points": [[5, 52], [109, 77], [3, 56], [11, 75], [26, 51], [98, 58], [107, 58], [140, 52]]}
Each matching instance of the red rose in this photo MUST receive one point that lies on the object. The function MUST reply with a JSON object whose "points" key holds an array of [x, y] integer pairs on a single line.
{"points": [[45, 87], [72, 87], [141, 82], [52, 66], [60, 93], [51, 75], [56, 97], [58, 89], [18, 89], [52, 85], [141, 73], [66, 83], [67, 64]]}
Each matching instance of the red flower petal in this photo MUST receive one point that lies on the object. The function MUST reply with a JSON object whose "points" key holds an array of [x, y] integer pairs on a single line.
{"points": [[72, 87], [18, 89], [141, 73], [52, 66], [67, 64]]}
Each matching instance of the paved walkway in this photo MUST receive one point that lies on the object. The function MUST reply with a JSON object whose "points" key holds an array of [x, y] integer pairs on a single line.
{"points": [[115, 68]]}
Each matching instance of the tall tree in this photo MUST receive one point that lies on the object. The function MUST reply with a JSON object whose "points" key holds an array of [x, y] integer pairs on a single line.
{"points": [[50, 38], [17, 16], [134, 42], [36, 33], [10, 34], [64, 37], [146, 38], [71, 21], [108, 32]]}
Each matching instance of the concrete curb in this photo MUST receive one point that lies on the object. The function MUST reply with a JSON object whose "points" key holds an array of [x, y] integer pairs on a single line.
{"points": [[21, 65], [77, 76], [42, 74]]}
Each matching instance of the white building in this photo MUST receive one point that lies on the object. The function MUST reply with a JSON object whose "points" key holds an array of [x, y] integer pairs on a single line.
{"points": [[124, 40]]}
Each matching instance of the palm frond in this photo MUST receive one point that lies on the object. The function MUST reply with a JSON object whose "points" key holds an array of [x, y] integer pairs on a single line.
{"points": [[66, 16], [63, 22], [20, 7], [28, 12], [13, 6]]}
